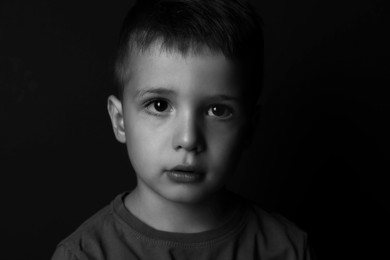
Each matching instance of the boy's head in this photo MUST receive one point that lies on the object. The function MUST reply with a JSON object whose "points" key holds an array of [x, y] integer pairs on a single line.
{"points": [[188, 27], [188, 74]]}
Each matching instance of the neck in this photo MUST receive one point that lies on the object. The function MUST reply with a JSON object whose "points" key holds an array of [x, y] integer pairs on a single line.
{"points": [[170, 216]]}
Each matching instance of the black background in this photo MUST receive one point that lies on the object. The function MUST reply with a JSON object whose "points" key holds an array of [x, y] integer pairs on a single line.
{"points": [[320, 154]]}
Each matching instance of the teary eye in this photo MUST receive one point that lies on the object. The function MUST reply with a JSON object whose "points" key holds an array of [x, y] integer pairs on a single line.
{"points": [[220, 111]]}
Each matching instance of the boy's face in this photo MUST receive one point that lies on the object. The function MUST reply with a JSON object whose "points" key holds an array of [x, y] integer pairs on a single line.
{"points": [[182, 119]]}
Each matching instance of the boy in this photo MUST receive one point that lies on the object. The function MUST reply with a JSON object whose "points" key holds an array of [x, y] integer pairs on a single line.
{"points": [[188, 81]]}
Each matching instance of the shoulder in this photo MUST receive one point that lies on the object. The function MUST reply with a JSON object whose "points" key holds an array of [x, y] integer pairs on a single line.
{"points": [[93, 226], [275, 233], [274, 224], [266, 221], [87, 235]]}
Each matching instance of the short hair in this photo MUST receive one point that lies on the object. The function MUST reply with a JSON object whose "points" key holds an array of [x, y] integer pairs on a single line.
{"points": [[186, 26]]}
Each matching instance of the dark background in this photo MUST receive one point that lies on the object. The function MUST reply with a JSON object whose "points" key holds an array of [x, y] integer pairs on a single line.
{"points": [[320, 155]]}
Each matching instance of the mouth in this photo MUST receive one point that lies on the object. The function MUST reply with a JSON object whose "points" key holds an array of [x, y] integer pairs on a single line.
{"points": [[184, 174]]}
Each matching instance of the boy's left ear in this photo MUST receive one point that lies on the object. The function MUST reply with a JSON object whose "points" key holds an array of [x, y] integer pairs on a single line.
{"points": [[115, 111]]}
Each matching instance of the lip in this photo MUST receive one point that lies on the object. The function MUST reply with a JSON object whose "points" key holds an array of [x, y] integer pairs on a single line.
{"points": [[184, 174], [184, 168]]}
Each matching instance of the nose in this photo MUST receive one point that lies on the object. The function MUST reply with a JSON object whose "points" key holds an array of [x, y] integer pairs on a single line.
{"points": [[188, 134]]}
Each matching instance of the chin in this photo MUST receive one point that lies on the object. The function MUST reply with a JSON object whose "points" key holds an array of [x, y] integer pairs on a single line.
{"points": [[188, 195]]}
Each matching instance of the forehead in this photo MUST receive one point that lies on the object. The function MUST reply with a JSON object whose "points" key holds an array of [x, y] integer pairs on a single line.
{"points": [[202, 70]]}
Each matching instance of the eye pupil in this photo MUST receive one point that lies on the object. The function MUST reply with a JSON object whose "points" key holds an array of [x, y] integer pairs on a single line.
{"points": [[218, 110], [160, 106]]}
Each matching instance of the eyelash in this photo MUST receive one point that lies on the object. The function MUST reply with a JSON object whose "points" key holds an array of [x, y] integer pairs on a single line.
{"points": [[147, 105]]}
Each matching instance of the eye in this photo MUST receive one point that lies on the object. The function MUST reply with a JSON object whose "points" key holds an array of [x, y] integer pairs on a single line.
{"points": [[158, 106], [220, 111]]}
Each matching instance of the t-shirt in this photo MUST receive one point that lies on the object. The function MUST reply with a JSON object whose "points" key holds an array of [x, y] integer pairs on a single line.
{"points": [[250, 233]]}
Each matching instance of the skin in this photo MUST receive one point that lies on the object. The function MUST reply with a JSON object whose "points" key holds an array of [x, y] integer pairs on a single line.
{"points": [[180, 110]]}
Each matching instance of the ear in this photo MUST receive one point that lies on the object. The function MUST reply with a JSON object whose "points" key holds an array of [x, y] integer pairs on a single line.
{"points": [[114, 107]]}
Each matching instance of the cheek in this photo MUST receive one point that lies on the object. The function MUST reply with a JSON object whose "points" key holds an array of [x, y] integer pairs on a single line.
{"points": [[142, 155], [139, 142], [225, 147], [145, 143]]}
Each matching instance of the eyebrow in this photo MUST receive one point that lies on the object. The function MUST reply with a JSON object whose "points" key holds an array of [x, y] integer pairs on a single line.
{"points": [[227, 97], [139, 93]]}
